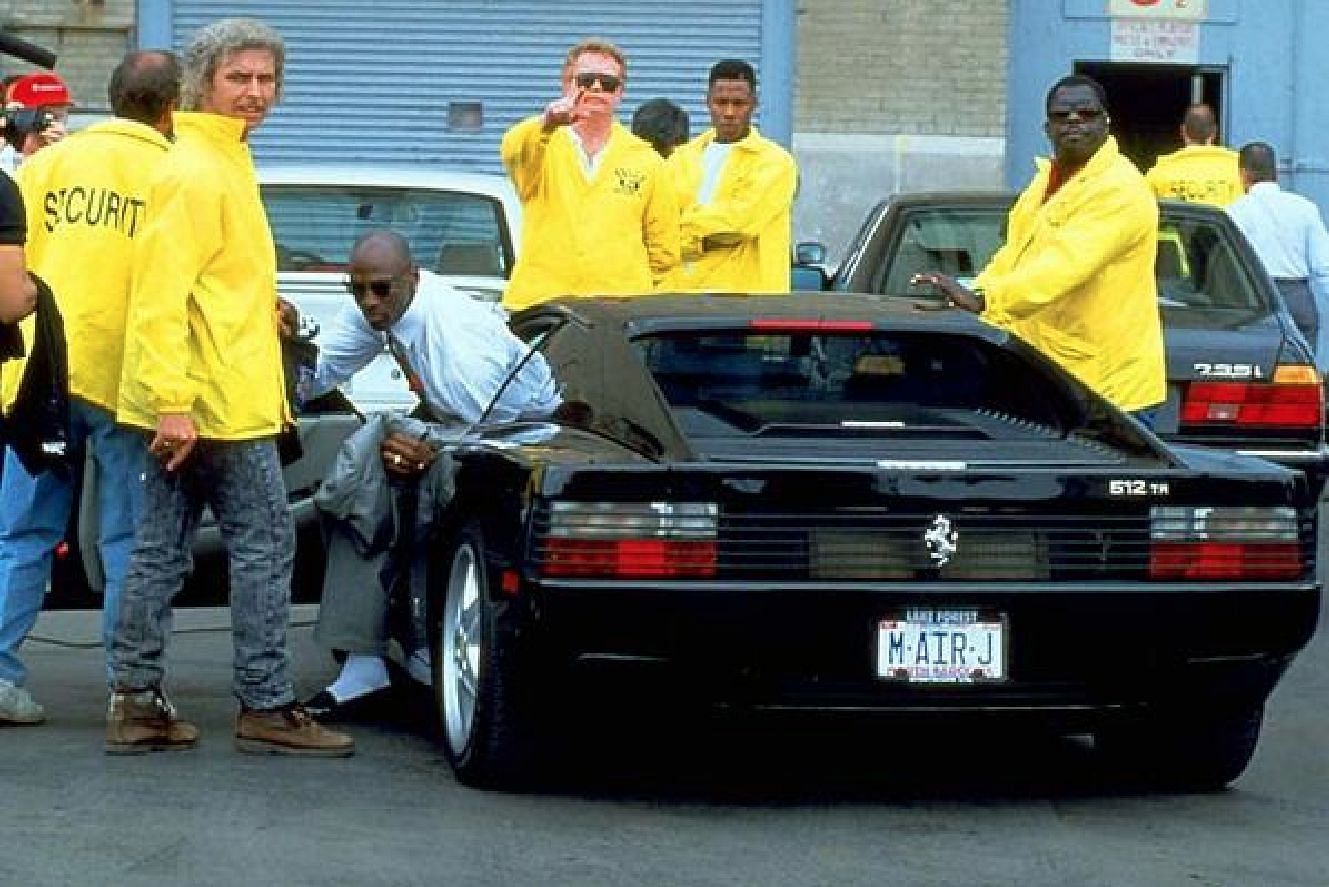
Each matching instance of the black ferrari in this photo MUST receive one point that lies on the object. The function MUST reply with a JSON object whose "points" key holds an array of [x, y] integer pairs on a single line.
{"points": [[856, 503]]}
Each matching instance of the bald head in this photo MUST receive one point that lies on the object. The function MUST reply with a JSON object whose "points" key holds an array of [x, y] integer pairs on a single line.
{"points": [[383, 277], [1199, 126], [145, 86], [380, 242]]}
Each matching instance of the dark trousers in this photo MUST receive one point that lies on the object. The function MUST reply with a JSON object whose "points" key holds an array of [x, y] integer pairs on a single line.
{"points": [[358, 587], [1301, 305]]}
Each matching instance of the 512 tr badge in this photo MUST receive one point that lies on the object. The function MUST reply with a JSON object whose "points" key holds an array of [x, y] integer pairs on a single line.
{"points": [[1137, 487]]}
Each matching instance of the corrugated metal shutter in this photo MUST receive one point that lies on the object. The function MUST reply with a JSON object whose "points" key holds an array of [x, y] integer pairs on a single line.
{"points": [[373, 79]]}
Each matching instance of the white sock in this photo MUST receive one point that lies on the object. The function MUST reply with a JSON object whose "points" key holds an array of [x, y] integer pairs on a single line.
{"points": [[360, 674]]}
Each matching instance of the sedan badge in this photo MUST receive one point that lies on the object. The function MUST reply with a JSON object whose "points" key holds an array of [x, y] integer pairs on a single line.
{"points": [[942, 540]]}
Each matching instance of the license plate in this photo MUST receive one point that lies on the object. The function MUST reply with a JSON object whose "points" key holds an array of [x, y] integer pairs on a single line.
{"points": [[925, 646]]}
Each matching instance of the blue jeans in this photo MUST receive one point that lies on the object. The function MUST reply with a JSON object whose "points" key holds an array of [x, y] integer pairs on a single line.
{"points": [[241, 481], [34, 513]]}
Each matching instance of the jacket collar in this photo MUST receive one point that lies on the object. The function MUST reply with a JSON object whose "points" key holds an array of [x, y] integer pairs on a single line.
{"points": [[618, 134], [120, 126], [1103, 158], [749, 142], [1204, 151], [217, 128]]}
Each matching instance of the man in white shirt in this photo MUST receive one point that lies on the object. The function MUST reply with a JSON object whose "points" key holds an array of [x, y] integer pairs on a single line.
{"points": [[456, 353], [1289, 236]]}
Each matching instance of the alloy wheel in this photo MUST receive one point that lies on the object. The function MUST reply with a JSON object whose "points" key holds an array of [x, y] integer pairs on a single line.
{"points": [[461, 637]]}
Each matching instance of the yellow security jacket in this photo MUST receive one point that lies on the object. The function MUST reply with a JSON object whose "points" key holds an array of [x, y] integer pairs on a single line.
{"points": [[1197, 173], [616, 233], [1075, 278], [202, 335], [747, 219], [85, 199]]}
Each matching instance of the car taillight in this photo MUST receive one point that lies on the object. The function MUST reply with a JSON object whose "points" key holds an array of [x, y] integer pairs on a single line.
{"points": [[1293, 399], [630, 540], [1224, 543]]}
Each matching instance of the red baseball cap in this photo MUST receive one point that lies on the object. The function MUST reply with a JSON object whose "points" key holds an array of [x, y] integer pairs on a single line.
{"points": [[40, 90]]}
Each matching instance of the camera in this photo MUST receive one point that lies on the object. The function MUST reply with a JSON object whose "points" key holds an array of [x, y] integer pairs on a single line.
{"points": [[19, 123]]}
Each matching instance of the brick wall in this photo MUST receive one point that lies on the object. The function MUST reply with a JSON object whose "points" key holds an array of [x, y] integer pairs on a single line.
{"points": [[89, 37], [926, 67], [892, 96]]}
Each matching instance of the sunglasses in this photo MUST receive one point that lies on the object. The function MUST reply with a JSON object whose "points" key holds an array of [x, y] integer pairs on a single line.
{"points": [[380, 288], [608, 82], [1082, 113]]}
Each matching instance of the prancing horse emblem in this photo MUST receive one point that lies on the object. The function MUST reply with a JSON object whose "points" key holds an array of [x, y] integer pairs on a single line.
{"points": [[942, 540]]}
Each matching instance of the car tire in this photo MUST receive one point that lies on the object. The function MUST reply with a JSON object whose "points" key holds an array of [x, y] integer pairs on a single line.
{"points": [[484, 723], [1191, 751]]}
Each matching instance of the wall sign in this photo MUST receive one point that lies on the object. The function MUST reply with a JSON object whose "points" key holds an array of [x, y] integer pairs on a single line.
{"points": [[1155, 42], [1156, 10]]}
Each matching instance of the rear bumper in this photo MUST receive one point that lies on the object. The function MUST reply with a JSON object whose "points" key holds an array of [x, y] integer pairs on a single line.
{"points": [[1072, 655]]}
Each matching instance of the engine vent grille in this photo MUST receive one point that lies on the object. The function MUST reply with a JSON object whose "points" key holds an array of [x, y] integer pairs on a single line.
{"points": [[985, 545]]}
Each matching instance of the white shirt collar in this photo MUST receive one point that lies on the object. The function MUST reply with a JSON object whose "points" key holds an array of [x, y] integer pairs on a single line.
{"points": [[590, 163]]}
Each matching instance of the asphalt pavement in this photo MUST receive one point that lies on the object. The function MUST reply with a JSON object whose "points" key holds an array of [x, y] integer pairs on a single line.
{"points": [[673, 802]]}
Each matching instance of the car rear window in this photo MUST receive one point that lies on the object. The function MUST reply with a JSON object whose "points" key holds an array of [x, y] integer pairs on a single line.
{"points": [[450, 232], [721, 384], [956, 242], [1198, 269]]}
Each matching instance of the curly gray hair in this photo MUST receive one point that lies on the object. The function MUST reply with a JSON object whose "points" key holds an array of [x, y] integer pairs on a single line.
{"points": [[213, 43]]}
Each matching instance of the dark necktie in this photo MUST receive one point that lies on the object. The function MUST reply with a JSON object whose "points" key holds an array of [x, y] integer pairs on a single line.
{"points": [[400, 354]]}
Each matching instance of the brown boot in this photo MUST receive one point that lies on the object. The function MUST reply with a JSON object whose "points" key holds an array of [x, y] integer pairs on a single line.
{"points": [[288, 731], [139, 721]]}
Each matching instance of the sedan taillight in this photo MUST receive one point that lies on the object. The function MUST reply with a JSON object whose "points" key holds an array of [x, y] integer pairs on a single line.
{"points": [[1294, 399], [1224, 543], [630, 540]]}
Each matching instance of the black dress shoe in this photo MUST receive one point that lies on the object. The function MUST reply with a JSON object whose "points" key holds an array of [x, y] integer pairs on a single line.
{"points": [[325, 707]]}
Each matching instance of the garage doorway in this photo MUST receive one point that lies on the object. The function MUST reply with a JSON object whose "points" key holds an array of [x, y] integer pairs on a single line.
{"points": [[1147, 101]]}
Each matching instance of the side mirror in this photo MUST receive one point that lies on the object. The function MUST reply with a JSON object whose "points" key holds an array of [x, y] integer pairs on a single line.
{"points": [[810, 254], [808, 273]]}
